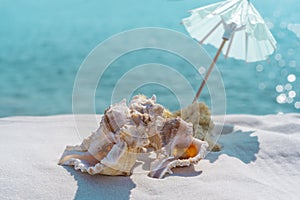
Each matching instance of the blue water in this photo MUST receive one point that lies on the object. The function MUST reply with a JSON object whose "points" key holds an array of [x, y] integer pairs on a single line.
{"points": [[43, 43]]}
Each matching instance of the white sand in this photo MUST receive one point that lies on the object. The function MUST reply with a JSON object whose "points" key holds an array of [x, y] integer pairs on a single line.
{"points": [[260, 160]]}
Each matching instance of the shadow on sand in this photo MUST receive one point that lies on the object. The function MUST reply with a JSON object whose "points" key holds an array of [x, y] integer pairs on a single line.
{"points": [[238, 144], [100, 186], [241, 145], [189, 171]]}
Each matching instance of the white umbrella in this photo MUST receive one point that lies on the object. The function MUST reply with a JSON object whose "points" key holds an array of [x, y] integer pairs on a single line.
{"points": [[235, 21]]}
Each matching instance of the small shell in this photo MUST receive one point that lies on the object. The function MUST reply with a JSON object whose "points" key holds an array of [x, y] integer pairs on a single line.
{"points": [[176, 133], [181, 149], [161, 167]]}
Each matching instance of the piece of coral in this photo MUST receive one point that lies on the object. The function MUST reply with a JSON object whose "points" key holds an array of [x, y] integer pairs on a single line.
{"points": [[199, 115], [125, 131]]}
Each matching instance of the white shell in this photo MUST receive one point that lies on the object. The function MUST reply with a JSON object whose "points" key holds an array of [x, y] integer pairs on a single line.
{"points": [[178, 139]]}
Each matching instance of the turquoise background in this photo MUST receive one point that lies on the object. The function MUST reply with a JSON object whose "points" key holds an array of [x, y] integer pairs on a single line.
{"points": [[43, 43]]}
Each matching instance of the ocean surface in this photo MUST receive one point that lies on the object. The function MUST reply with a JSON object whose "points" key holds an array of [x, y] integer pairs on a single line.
{"points": [[44, 43]]}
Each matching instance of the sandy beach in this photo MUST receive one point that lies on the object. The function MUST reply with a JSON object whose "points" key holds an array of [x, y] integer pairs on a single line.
{"points": [[260, 159]]}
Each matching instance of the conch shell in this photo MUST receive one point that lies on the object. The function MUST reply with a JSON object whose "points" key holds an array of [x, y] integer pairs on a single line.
{"points": [[125, 131]]}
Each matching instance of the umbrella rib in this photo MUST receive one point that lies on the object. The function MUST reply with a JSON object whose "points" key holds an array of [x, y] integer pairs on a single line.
{"points": [[274, 47], [201, 42], [259, 53], [229, 46]]}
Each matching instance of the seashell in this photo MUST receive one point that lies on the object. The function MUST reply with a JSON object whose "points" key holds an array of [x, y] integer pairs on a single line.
{"points": [[181, 149], [176, 133], [119, 161], [102, 144], [125, 131], [162, 167]]}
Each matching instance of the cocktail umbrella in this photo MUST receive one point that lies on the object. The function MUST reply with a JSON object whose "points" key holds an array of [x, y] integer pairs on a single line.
{"points": [[234, 27]]}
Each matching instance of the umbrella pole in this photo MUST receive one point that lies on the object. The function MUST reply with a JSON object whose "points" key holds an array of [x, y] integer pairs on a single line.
{"points": [[209, 70]]}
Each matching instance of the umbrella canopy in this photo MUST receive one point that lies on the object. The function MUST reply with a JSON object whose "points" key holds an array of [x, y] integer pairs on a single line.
{"points": [[235, 21], [250, 40]]}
